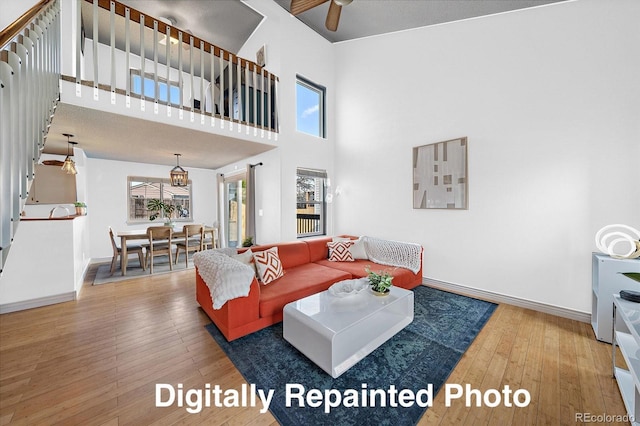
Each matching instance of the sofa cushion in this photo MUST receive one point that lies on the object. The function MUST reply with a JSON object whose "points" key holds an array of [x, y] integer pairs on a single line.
{"points": [[402, 277], [291, 254], [269, 265], [318, 249], [298, 282]]}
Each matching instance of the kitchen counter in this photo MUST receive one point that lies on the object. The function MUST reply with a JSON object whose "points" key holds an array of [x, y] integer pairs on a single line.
{"points": [[73, 216]]}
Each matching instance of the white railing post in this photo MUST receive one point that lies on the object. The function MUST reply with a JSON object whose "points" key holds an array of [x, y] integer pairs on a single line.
{"points": [[6, 132], [79, 41], [142, 63], [112, 44], [127, 55], [221, 99], [156, 87], [202, 88], [191, 89], [168, 64], [180, 79], [95, 50]]}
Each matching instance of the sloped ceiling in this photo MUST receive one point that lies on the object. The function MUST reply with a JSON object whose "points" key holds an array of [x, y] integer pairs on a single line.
{"points": [[364, 18]]}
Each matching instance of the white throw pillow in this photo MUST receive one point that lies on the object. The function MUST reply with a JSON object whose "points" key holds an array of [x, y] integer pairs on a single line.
{"points": [[247, 258], [357, 250]]}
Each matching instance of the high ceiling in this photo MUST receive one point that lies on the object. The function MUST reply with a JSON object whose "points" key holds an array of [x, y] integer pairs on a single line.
{"points": [[364, 18], [228, 24]]}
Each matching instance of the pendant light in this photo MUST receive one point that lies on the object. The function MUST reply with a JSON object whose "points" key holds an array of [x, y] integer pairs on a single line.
{"points": [[178, 175], [69, 166]]}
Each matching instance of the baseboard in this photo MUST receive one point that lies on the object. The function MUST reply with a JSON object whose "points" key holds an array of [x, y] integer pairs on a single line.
{"points": [[37, 303], [510, 300]]}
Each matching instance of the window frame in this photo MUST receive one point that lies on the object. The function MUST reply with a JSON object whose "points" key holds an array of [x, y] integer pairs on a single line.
{"points": [[321, 201], [322, 95], [161, 183], [134, 72]]}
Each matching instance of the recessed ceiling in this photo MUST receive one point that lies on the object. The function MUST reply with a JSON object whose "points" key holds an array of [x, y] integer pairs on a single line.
{"points": [[363, 18]]}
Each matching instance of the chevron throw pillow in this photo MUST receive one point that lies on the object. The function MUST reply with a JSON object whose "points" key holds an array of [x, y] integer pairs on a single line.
{"points": [[269, 265], [339, 251]]}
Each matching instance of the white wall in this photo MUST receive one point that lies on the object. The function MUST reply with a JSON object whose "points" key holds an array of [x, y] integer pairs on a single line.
{"points": [[311, 56], [107, 198], [45, 265], [14, 9], [550, 101]]}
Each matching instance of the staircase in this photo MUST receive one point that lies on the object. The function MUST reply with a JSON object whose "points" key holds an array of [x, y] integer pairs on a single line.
{"points": [[29, 93]]}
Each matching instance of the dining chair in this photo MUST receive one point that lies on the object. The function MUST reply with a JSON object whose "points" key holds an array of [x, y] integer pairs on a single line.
{"points": [[160, 243], [193, 241], [212, 241], [117, 251]]}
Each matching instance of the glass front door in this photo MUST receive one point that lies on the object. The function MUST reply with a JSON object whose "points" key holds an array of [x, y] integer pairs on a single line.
{"points": [[235, 191]]}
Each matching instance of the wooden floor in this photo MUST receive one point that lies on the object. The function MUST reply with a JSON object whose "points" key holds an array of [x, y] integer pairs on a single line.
{"points": [[96, 362]]}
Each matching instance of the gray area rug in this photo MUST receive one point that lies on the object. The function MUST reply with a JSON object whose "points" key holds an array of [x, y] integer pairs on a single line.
{"points": [[160, 266], [423, 354]]}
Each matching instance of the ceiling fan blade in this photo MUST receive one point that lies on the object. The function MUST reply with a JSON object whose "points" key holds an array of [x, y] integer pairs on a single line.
{"points": [[333, 17], [299, 6]]}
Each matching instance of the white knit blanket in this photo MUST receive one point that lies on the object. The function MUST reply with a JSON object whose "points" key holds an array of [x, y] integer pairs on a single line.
{"points": [[394, 253], [226, 277]]}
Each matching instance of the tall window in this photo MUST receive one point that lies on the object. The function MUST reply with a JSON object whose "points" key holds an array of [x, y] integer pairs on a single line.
{"points": [[310, 107], [166, 89], [310, 202], [140, 190]]}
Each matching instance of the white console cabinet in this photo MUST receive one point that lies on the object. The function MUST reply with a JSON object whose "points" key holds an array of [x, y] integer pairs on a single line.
{"points": [[626, 331], [607, 280]]}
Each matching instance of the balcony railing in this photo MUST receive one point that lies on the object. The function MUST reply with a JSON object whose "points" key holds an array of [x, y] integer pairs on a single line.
{"points": [[308, 224], [213, 86]]}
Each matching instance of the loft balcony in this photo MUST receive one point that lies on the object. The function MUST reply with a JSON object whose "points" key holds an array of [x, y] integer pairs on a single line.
{"points": [[186, 93]]}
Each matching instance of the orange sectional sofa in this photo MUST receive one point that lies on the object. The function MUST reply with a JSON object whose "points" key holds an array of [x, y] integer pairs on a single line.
{"points": [[307, 271]]}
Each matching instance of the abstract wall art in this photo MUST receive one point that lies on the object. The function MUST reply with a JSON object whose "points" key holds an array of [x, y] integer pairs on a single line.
{"points": [[440, 175]]}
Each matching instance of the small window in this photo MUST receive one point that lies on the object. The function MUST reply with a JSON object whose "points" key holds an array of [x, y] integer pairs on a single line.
{"points": [[141, 190], [310, 202], [310, 109], [166, 89]]}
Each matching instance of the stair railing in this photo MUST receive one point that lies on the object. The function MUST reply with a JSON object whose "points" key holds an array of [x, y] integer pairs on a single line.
{"points": [[29, 93]]}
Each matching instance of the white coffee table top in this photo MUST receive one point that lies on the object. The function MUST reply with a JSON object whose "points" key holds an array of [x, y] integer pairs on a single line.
{"points": [[337, 332], [337, 313]]}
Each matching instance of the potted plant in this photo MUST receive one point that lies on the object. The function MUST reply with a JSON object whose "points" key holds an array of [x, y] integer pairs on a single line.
{"points": [[160, 207], [81, 208], [380, 281], [247, 242]]}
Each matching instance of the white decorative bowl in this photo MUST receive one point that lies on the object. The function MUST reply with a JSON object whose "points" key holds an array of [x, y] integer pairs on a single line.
{"points": [[348, 287]]}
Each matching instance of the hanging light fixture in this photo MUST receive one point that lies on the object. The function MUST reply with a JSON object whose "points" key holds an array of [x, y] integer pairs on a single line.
{"points": [[69, 166], [171, 21], [178, 175]]}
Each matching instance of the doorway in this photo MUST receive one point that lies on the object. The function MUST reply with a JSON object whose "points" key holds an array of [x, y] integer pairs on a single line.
{"points": [[235, 202]]}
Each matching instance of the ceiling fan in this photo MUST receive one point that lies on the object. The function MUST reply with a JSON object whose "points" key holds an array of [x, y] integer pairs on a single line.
{"points": [[333, 17]]}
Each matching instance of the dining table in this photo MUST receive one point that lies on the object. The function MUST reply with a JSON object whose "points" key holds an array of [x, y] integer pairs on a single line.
{"points": [[141, 234]]}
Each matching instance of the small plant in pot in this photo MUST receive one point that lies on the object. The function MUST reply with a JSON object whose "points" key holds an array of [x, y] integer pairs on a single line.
{"points": [[81, 208], [158, 207], [247, 242], [380, 281]]}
